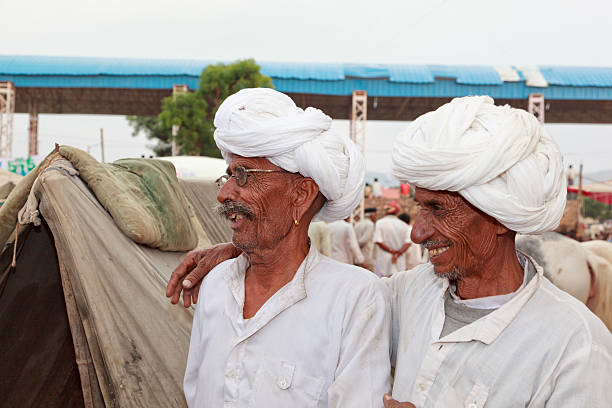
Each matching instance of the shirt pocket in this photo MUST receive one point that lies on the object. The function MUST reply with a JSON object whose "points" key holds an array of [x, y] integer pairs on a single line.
{"points": [[280, 384], [450, 398]]}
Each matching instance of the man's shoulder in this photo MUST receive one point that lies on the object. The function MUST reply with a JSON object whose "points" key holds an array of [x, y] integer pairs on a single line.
{"points": [[419, 281], [343, 277], [219, 274], [561, 310]]}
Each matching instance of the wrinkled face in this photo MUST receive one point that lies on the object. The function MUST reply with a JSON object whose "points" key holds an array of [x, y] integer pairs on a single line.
{"points": [[459, 237], [259, 211]]}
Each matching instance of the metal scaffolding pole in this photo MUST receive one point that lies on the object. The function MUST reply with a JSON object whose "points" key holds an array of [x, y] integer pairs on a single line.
{"points": [[359, 116], [33, 129], [7, 109], [536, 106]]}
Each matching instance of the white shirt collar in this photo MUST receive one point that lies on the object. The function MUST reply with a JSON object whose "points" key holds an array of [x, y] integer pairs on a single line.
{"points": [[487, 328], [285, 297], [497, 301]]}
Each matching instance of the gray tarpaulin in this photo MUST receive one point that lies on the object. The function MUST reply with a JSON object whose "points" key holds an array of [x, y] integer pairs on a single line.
{"points": [[202, 195], [138, 341], [130, 343]]}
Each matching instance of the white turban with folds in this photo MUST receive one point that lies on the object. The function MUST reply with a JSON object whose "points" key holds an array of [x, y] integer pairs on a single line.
{"points": [[262, 122], [498, 158]]}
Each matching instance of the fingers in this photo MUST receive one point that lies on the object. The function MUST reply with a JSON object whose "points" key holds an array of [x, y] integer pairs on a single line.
{"points": [[389, 402], [187, 277], [196, 292], [187, 297], [208, 260], [179, 273], [198, 273], [176, 295]]}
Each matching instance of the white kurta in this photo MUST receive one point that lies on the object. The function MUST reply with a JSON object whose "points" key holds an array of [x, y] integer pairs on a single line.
{"points": [[376, 189], [321, 341], [414, 257], [364, 230], [344, 245], [394, 233], [541, 348], [318, 232]]}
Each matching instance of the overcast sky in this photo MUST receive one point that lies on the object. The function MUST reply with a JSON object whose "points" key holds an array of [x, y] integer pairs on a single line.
{"points": [[519, 32]]}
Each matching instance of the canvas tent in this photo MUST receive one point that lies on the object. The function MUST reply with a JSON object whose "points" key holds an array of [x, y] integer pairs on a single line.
{"points": [[83, 316], [197, 167], [601, 191], [8, 180]]}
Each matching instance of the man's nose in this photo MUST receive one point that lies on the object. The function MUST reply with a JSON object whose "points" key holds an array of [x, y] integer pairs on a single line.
{"points": [[421, 230], [227, 191]]}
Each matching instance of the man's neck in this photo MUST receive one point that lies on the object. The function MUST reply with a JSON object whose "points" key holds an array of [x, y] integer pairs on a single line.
{"points": [[499, 275], [270, 269]]}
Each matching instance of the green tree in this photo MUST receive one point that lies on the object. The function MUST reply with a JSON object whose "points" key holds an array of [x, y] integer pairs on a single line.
{"points": [[194, 112], [596, 209]]}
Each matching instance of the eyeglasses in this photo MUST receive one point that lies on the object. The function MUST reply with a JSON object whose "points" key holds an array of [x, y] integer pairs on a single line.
{"points": [[241, 175]]}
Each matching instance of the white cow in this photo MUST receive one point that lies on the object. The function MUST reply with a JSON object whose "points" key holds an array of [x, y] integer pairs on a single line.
{"points": [[584, 270]]}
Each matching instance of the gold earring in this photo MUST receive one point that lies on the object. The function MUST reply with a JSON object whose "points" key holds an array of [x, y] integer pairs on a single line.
{"points": [[296, 222]]}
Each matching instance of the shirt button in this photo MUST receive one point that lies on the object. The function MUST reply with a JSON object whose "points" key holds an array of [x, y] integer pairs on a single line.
{"points": [[283, 384], [231, 373], [422, 387]]}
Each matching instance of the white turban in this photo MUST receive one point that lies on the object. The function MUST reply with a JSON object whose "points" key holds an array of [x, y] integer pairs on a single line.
{"points": [[498, 158], [262, 122]]}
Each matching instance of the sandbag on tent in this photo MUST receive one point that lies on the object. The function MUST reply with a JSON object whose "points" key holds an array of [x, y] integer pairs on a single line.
{"points": [[143, 197], [80, 280]]}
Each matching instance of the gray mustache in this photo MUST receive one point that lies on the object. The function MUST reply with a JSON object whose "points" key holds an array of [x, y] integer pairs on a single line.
{"points": [[228, 207], [431, 243]]}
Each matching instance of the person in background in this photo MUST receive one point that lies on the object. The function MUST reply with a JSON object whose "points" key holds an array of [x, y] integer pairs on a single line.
{"points": [[367, 190], [376, 189], [318, 232], [364, 230], [571, 175], [392, 239], [414, 255], [344, 245]]}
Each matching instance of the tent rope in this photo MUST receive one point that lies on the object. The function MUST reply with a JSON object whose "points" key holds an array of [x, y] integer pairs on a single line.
{"points": [[14, 262]]}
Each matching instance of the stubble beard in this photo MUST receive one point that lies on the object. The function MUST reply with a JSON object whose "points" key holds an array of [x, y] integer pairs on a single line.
{"points": [[453, 275]]}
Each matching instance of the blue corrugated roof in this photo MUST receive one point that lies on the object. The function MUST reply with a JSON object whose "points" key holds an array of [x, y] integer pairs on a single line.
{"points": [[295, 70], [415, 74], [578, 76], [468, 75], [44, 65], [316, 78]]}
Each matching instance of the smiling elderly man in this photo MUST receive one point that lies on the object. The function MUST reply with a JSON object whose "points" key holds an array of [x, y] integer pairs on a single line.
{"points": [[282, 325], [479, 324]]}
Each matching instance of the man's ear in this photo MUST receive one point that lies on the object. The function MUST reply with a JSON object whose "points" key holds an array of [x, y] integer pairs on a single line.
{"points": [[305, 192], [501, 229]]}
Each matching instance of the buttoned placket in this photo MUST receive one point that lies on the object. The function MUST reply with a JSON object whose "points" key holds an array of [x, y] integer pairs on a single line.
{"points": [[287, 296], [485, 330], [434, 357]]}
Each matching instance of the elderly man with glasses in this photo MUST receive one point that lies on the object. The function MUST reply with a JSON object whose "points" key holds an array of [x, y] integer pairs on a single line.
{"points": [[282, 325]]}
